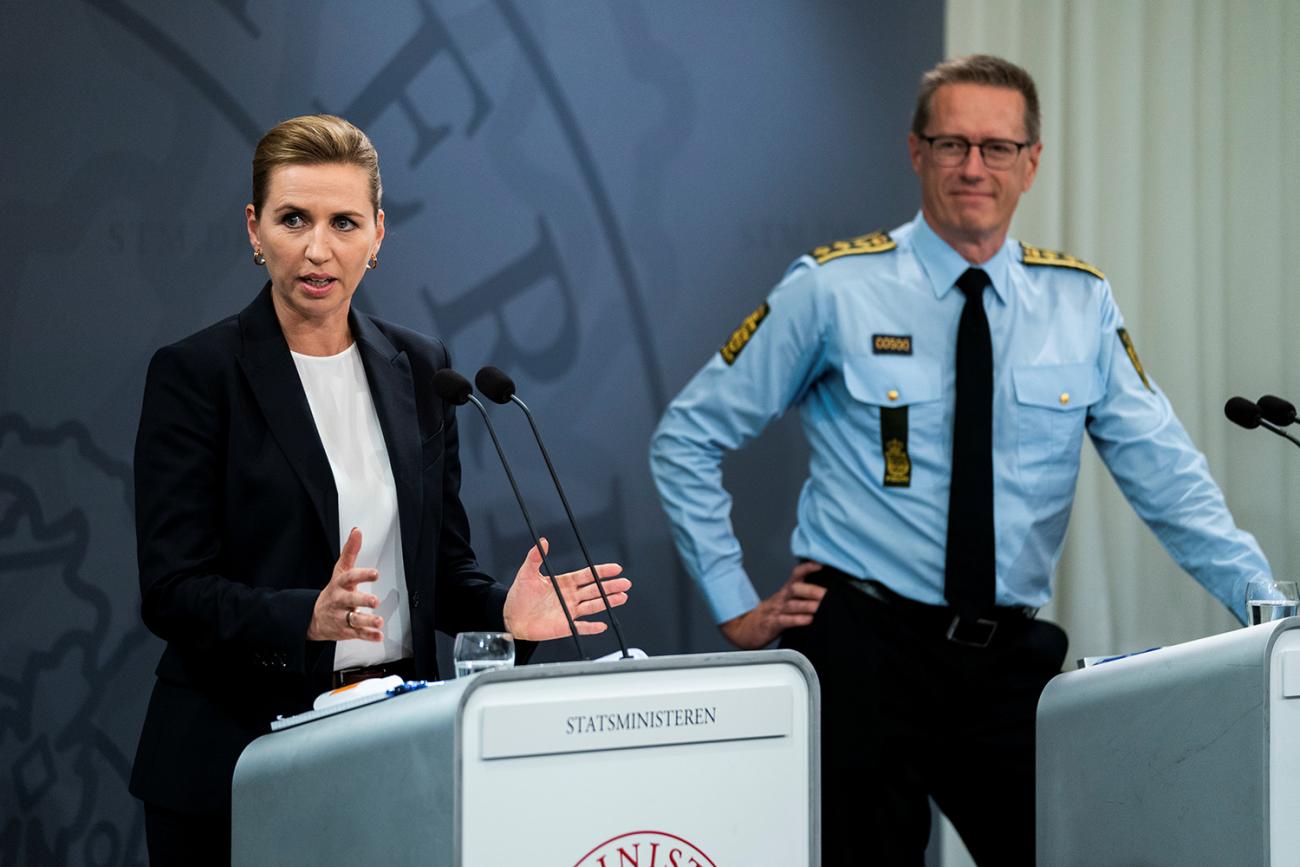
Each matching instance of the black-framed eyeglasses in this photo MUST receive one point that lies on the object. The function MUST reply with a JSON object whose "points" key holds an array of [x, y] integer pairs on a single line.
{"points": [[950, 150]]}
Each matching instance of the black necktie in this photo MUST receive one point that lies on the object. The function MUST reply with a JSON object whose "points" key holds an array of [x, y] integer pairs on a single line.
{"points": [[970, 563]]}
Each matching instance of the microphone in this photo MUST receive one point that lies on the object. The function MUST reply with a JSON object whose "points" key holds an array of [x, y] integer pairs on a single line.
{"points": [[1240, 412], [1246, 414], [498, 387], [456, 390], [1276, 410]]}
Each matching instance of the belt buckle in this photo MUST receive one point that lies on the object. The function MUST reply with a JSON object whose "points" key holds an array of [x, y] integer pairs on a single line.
{"points": [[354, 674], [990, 627]]}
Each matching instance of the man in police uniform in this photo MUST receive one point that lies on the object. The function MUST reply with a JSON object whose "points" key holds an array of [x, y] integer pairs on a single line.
{"points": [[946, 375]]}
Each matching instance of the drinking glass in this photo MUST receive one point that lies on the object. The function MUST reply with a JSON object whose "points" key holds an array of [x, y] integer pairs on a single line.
{"points": [[481, 651], [1267, 600]]}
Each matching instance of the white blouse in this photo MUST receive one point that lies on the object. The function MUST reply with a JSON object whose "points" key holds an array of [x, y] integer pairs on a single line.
{"points": [[339, 396]]}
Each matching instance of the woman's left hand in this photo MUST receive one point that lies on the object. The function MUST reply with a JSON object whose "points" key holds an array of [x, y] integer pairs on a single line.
{"points": [[532, 612]]}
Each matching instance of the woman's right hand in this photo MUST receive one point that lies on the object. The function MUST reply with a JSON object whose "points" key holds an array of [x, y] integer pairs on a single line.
{"points": [[329, 620]]}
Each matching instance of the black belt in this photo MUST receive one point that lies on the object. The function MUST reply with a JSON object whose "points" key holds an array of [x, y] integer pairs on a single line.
{"points": [[405, 668], [971, 631]]}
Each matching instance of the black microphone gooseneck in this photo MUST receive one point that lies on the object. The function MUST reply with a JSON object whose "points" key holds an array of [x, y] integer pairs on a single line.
{"points": [[498, 387], [1245, 413], [456, 390], [1276, 410]]}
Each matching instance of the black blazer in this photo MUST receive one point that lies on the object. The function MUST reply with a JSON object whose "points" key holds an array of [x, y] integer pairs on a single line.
{"points": [[237, 530]]}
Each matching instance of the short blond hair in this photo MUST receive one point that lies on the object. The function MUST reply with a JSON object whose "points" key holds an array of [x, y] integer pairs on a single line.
{"points": [[314, 139]]}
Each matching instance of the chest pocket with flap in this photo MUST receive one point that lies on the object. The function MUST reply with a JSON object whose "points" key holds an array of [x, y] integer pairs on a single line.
{"points": [[1052, 407]]}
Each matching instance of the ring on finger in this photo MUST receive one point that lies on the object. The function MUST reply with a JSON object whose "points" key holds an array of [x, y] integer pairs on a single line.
{"points": [[351, 611]]}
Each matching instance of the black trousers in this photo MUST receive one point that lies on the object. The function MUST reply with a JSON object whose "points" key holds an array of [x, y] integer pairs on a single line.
{"points": [[908, 714], [186, 839]]}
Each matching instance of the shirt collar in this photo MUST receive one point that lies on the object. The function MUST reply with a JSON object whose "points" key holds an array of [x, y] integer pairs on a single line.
{"points": [[943, 265]]}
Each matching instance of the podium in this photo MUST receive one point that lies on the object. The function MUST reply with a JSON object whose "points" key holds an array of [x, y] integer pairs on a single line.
{"points": [[681, 761], [1183, 755]]}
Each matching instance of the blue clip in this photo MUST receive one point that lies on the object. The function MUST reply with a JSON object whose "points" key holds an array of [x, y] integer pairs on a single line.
{"points": [[408, 686], [1126, 655]]}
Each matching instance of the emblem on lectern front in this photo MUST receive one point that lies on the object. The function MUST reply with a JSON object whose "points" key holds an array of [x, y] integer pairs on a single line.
{"points": [[646, 849]]}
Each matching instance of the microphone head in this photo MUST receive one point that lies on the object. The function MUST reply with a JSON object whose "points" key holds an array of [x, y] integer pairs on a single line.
{"points": [[1242, 412], [495, 384], [1276, 410], [454, 388]]}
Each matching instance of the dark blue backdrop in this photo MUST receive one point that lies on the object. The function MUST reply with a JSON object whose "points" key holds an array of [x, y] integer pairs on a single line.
{"points": [[590, 195]]}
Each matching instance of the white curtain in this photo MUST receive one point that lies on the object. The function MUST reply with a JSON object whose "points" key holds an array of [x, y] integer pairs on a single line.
{"points": [[1172, 162]]}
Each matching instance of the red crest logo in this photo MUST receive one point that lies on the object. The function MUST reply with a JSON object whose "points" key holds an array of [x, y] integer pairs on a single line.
{"points": [[645, 849]]}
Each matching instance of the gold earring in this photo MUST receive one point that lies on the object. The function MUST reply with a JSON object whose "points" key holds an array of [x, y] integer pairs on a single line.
{"points": [[373, 263], [258, 258]]}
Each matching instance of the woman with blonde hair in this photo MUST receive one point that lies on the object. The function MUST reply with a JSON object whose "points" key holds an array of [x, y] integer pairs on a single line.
{"points": [[298, 514]]}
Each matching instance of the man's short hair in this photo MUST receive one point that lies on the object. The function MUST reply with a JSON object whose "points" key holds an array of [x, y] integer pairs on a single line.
{"points": [[978, 69]]}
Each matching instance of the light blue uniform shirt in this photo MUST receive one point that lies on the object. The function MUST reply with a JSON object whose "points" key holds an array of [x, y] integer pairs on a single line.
{"points": [[1060, 368]]}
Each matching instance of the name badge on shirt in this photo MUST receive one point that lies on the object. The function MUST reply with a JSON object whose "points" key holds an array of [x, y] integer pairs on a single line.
{"points": [[891, 344], [893, 436]]}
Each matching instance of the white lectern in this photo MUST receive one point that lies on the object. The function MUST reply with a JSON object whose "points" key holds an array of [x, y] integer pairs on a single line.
{"points": [[1184, 755], [686, 761]]}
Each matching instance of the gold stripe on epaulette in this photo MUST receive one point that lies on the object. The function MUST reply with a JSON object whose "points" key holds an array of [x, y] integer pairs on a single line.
{"points": [[1052, 258], [876, 242]]}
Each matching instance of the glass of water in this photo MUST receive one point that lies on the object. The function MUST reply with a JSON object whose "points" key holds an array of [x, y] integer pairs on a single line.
{"points": [[1267, 600], [481, 651]]}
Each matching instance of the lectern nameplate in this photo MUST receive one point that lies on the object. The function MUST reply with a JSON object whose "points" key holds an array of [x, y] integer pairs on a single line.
{"points": [[545, 728]]}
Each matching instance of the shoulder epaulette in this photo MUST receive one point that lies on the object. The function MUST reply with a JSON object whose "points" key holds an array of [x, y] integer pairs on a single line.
{"points": [[876, 242], [1053, 259]]}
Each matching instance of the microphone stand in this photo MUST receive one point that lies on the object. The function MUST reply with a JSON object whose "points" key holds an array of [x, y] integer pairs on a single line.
{"points": [[1278, 431], [613, 620], [573, 630]]}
